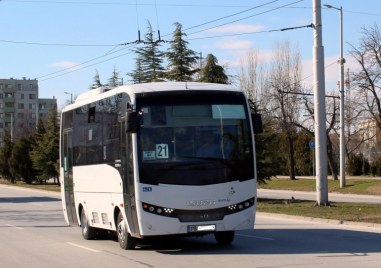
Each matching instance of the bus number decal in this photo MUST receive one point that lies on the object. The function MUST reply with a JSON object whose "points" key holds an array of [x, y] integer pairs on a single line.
{"points": [[161, 151]]}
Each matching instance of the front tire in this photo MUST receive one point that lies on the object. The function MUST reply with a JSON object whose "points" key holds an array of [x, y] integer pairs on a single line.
{"points": [[225, 237], [126, 241], [88, 232]]}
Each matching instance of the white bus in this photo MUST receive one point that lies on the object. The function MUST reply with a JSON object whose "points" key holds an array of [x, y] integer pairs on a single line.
{"points": [[134, 161]]}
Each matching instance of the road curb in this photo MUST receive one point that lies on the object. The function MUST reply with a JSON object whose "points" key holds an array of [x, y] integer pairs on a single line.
{"points": [[322, 220]]}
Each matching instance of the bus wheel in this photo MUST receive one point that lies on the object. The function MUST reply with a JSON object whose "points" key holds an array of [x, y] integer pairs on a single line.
{"points": [[126, 241], [88, 232], [224, 238]]}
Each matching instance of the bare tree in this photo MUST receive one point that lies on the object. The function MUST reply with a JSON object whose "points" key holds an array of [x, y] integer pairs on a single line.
{"points": [[367, 80], [252, 77], [332, 109], [366, 84], [284, 82]]}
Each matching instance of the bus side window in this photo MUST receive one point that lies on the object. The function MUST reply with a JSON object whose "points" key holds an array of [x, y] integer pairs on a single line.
{"points": [[91, 118], [257, 123]]}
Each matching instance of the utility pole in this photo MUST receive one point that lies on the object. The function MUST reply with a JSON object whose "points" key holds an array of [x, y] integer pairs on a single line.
{"points": [[341, 61], [71, 96], [319, 108]]}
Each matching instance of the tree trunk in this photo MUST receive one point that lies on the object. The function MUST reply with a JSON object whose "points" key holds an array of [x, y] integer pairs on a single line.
{"points": [[331, 162], [291, 154]]}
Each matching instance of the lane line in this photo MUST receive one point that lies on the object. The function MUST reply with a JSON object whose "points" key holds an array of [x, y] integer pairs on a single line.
{"points": [[259, 237], [14, 226], [82, 247]]}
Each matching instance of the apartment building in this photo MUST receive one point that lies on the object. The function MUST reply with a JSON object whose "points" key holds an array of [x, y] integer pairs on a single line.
{"points": [[20, 107]]}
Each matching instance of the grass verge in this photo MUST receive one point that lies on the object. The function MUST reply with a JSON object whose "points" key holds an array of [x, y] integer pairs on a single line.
{"points": [[47, 187], [355, 212], [353, 186]]}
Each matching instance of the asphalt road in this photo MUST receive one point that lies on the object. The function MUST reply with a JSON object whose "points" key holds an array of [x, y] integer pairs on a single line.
{"points": [[33, 234]]}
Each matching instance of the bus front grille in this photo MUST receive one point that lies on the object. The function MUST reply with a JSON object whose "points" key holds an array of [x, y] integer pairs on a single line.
{"points": [[201, 215]]}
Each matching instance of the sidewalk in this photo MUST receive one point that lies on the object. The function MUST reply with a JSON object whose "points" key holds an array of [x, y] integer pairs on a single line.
{"points": [[302, 195]]}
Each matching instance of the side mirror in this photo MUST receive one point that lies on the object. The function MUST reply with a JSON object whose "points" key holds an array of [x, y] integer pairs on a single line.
{"points": [[132, 122], [256, 120]]}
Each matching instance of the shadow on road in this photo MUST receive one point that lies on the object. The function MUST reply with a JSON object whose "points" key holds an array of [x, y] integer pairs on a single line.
{"points": [[275, 241], [28, 199]]}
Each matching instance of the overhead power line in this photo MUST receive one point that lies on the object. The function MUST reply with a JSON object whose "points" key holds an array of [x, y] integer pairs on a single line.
{"points": [[82, 65], [231, 15], [247, 17], [57, 44], [254, 32]]}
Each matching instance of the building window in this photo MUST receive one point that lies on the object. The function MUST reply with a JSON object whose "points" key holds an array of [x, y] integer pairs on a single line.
{"points": [[1, 115], [1, 96], [20, 115], [32, 106], [20, 106], [22, 96], [32, 96], [19, 86]]}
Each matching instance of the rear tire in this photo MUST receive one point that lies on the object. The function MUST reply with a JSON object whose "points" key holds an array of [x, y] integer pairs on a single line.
{"points": [[126, 241], [88, 232], [225, 237]]}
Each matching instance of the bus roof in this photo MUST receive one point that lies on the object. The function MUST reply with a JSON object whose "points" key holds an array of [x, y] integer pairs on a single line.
{"points": [[103, 92]]}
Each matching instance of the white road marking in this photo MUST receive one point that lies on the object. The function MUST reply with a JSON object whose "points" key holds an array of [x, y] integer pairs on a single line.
{"points": [[259, 237], [14, 226], [83, 247]]}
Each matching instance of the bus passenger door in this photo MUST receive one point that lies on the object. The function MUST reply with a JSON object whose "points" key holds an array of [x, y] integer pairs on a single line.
{"points": [[128, 181], [68, 177]]}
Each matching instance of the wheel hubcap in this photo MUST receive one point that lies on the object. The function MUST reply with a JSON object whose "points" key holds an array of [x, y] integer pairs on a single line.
{"points": [[121, 231]]}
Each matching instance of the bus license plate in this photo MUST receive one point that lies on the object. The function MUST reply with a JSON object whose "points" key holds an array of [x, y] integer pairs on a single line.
{"points": [[201, 228]]}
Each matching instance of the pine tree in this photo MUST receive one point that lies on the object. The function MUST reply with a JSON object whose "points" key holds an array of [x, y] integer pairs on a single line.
{"points": [[181, 59], [97, 81], [137, 74], [115, 79], [212, 72], [5, 154], [149, 60], [45, 152], [20, 164]]}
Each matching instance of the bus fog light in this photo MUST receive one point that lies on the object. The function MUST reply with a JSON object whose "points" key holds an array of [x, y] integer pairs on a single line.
{"points": [[168, 210], [232, 207]]}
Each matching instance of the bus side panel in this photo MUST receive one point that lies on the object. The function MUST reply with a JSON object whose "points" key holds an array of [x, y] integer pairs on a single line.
{"points": [[63, 198], [66, 174], [99, 189]]}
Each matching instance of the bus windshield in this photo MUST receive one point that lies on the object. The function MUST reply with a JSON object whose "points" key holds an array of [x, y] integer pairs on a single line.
{"points": [[198, 138]]}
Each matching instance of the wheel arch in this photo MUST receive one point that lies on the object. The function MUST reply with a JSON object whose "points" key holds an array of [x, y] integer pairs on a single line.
{"points": [[117, 210], [80, 208]]}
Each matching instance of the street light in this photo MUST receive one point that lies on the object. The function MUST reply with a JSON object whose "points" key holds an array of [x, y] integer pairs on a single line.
{"points": [[71, 96], [341, 61]]}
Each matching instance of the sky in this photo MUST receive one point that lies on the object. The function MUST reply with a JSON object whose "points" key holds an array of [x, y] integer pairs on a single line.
{"points": [[63, 43]]}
